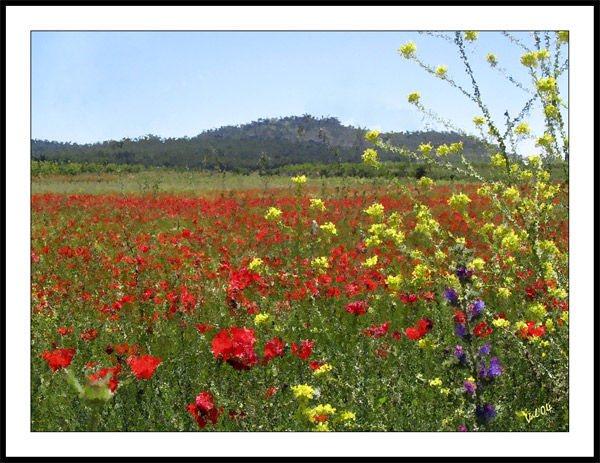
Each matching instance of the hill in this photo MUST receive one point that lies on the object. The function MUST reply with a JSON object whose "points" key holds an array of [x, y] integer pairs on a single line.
{"points": [[271, 142]]}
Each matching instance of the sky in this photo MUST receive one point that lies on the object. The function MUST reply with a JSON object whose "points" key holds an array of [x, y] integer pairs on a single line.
{"points": [[95, 86]]}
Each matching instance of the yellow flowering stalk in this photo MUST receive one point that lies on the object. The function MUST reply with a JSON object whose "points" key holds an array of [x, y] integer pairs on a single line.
{"points": [[325, 368], [435, 382], [261, 318], [303, 392], [317, 204], [370, 262], [458, 201], [369, 158], [255, 264], [408, 50], [320, 264], [273, 214], [414, 97], [372, 136], [471, 35], [329, 228], [299, 180], [375, 210], [425, 182], [394, 282], [522, 129]]}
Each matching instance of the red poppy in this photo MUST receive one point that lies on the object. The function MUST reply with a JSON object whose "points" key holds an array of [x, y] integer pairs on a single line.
{"points": [[357, 308], [203, 409], [482, 330], [273, 348], [144, 366], [236, 347], [306, 349], [59, 358]]}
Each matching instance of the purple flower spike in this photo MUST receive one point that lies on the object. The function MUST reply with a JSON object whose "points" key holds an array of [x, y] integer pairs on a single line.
{"points": [[460, 330], [470, 387], [487, 411], [450, 294], [485, 349], [495, 368]]}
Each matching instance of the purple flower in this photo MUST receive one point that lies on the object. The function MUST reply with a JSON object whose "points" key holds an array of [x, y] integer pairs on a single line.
{"points": [[495, 368], [463, 273], [470, 387], [482, 370], [462, 428], [450, 294], [462, 357], [460, 330], [485, 349], [475, 309], [487, 411]]}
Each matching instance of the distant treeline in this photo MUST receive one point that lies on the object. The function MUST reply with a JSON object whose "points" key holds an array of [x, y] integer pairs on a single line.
{"points": [[266, 143], [389, 169]]}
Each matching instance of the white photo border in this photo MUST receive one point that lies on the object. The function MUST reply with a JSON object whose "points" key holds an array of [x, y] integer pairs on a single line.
{"points": [[21, 20]]}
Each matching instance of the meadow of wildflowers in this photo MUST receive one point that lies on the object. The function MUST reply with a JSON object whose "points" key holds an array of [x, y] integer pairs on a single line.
{"points": [[391, 307]]}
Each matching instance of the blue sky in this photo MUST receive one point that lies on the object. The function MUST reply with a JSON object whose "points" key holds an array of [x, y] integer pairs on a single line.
{"points": [[93, 86]]}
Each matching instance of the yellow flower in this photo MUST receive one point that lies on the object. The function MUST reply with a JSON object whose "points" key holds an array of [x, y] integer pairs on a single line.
{"points": [[329, 227], [320, 263], [420, 272], [425, 148], [479, 120], [273, 214], [369, 157], [543, 54], [498, 160], [425, 182], [565, 316], [511, 194], [303, 391], [501, 323], [511, 241], [477, 264], [445, 391], [370, 262], [346, 416], [529, 60], [441, 71], [522, 128], [372, 241], [315, 412], [435, 382], [414, 97], [317, 204], [549, 325], [546, 84], [504, 292], [408, 50], [442, 150], [255, 264], [261, 318], [375, 210], [299, 180], [471, 35], [563, 36], [536, 311], [394, 282], [372, 136], [323, 369], [492, 59], [458, 201]]}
